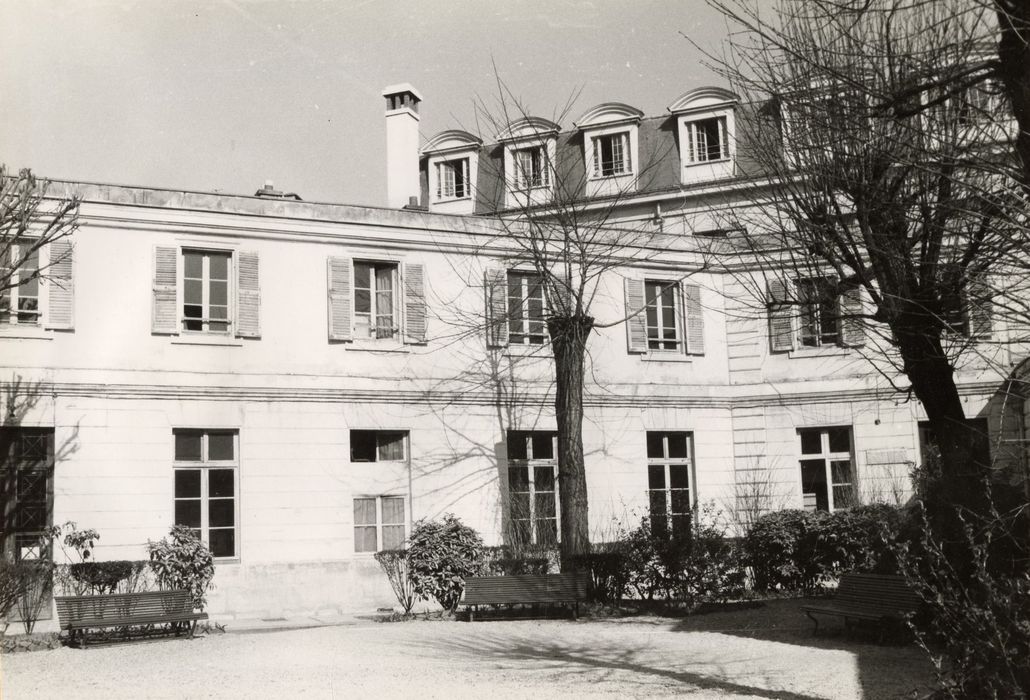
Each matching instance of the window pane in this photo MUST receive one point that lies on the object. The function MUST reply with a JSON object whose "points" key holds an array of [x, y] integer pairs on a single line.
{"points": [[391, 446], [187, 483], [543, 445], [680, 500], [654, 445], [362, 276], [220, 446], [518, 478], [219, 266], [364, 511], [655, 476], [221, 483], [546, 532], [193, 292], [223, 542], [678, 445], [520, 505], [187, 446], [844, 496], [659, 525], [543, 479], [841, 471], [517, 444], [219, 293], [545, 505], [681, 526], [365, 539], [393, 510], [679, 476], [813, 484], [362, 446], [221, 512], [393, 536], [187, 513], [520, 532], [840, 440], [362, 301], [811, 442], [657, 503], [193, 264]]}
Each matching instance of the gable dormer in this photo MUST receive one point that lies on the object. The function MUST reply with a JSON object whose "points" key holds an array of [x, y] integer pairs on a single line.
{"points": [[452, 170], [530, 152], [706, 127], [611, 148]]}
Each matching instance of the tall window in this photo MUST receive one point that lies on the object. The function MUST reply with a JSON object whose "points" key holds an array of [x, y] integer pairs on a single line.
{"points": [[707, 140], [526, 309], [530, 167], [820, 313], [452, 179], [19, 263], [827, 480], [206, 487], [377, 445], [205, 288], [376, 311], [26, 491], [532, 488], [669, 483], [663, 315], [611, 154], [378, 523]]}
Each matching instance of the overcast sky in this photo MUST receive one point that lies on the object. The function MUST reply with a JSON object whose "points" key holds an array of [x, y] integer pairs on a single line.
{"points": [[226, 95]]}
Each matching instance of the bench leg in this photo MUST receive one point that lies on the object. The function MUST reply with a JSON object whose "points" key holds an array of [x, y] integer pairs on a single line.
{"points": [[575, 611], [813, 618]]}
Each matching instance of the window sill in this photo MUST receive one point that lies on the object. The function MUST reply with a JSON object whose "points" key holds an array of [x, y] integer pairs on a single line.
{"points": [[216, 340], [826, 351], [228, 560], [387, 346], [614, 176], [528, 350], [698, 163], [447, 200], [25, 332], [665, 357]]}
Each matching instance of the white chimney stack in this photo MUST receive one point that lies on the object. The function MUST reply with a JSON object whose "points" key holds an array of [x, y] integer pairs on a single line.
{"points": [[402, 144]]}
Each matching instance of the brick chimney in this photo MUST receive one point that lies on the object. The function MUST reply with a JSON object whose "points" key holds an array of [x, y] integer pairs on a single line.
{"points": [[402, 134]]}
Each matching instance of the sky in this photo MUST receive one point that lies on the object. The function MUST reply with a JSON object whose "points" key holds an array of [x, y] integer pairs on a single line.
{"points": [[225, 95]]}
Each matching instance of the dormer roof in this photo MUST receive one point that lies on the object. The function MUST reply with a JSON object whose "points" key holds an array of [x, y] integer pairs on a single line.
{"points": [[527, 128], [451, 140], [703, 98], [608, 113]]}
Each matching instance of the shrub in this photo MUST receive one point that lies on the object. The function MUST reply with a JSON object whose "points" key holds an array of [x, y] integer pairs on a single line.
{"points": [[711, 570], [440, 556], [654, 562], [394, 563], [607, 567], [39, 582], [100, 577], [13, 583], [861, 538], [508, 561], [183, 563], [780, 552]]}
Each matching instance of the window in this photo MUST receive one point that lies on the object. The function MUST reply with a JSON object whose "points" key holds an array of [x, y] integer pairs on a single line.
{"points": [[532, 487], [827, 481], [19, 264], [526, 309], [26, 491], [611, 154], [530, 168], [669, 483], [205, 290], [707, 140], [206, 487], [376, 310], [820, 312], [663, 326], [378, 523], [452, 179], [377, 445]]}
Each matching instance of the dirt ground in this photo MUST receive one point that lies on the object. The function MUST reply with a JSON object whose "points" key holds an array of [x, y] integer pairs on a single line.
{"points": [[763, 652]]}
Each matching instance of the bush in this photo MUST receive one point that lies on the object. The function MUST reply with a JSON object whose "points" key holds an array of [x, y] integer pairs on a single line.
{"points": [[607, 567], [711, 571], [13, 584], [506, 561], [101, 577], [779, 552], [654, 561], [394, 563], [440, 556], [183, 563], [39, 582]]}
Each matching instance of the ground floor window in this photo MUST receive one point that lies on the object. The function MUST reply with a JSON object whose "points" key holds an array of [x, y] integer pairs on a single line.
{"points": [[669, 482], [378, 523], [207, 486], [26, 491], [827, 473], [532, 487]]}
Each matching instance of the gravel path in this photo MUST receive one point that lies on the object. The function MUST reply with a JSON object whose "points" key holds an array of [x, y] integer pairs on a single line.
{"points": [[715, 656]]}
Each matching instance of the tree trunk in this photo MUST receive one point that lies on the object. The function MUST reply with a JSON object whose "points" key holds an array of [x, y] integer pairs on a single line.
{"points": [[1014, 70], [568, 343]]}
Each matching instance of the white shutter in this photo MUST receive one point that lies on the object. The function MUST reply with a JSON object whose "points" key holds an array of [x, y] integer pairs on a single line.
{"points": [[626, 153], [695, 324], [979, 306], [781, 316], [61, 308], [636, 324], [597, 156], [496, 284], [414, 303], [852, 326], [248, 295], [339, 286], [691, 144], [165, 309]]}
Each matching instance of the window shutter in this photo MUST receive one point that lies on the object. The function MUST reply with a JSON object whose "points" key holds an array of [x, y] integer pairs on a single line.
{"points": [[496, 307], [691, 144], [851, 306], [563, 291], [636, 325], [695, 324], [61, 310], [781, 316], [248, 296], [627, 157], [597, 156], [165, 311], [414, 303], [979, 306], [339, 284]]}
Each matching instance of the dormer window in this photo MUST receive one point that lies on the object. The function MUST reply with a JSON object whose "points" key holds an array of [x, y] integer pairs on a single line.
{"points": [[611, 134], [611, 154], [706, 125], [530, 146], [450, 163], [530, 168], [707, 140], [452, 179]]}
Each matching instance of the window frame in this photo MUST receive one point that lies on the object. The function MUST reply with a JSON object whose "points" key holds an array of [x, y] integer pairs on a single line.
{"points": [[379, 524], [532, 464], [205, 280], [377, 432], [447, 189], [205, 465], [525, 318], [539, 176], [829, 458], [13, 464], [396, 329], [667, 462], [692, 130], [625, 163], [15, 295], [678, 342], [811, 315]]}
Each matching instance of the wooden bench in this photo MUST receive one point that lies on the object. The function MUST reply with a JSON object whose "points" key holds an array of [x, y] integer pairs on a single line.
{"points": [[78, 614], [565, 589], [882, 599]]}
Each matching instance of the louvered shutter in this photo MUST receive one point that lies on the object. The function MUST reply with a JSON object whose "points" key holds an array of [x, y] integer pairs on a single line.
{"points": [[414, 303], [851, 308], [627, 153], [563, 303], [691, 144], [597, 156], [339, 286], [165, 311], [61, 309], [496, 284], [636, 321], [695, 322], [979, 306], [248, 296], [781, 316]]}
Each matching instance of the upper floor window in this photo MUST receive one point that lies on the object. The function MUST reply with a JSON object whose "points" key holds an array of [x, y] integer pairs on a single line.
{"points": [[376, 300], [706, 127], [452, 179], [379, 523], [205, 290], [820, 322], [526, 309], [664, 317], [669, 482], [376, 311], [611, 154], [532, 487], [377, 445], [19, 266], [663, 314], [707, 140], [530, 167], [814, 312]]}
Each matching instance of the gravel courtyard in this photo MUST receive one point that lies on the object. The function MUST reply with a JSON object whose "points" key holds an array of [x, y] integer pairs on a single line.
{"points": [[712, 656]]}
